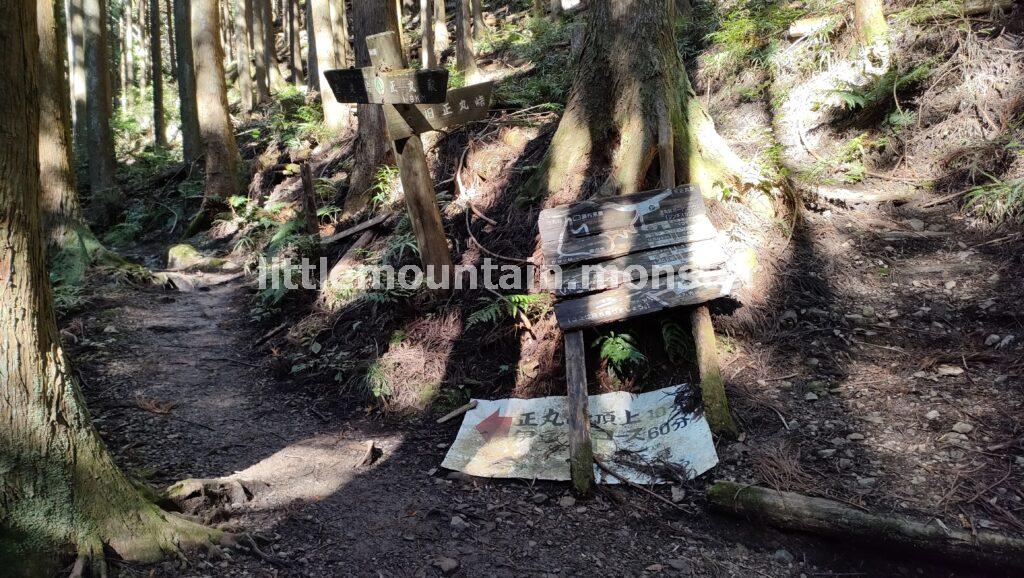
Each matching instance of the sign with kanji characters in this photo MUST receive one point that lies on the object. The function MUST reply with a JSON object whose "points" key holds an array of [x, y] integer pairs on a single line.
{"points": [[369, 86], [641, 437], [462, 105]]}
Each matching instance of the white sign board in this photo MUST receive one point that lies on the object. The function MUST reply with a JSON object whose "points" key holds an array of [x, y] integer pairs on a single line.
{"points": [[640, 437]]}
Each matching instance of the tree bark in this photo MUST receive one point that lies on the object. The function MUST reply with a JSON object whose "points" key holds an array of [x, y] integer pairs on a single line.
{"points": [[61, 486], [312, 71], [465, 57], [76, 27], [442, 40], [339, 28], [336, 114], [172, 52], [622, 85], [872, 31], [156, 61], [478, 20], [122, 59], [372, 148], [191, 142], [275, 77], [223, 164], [294, 46], [261, 60], [427, 55], [244, 61], [105, 195]]}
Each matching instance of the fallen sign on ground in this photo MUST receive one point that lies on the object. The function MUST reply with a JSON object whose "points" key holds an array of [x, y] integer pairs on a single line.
{"points": [[639, 437]]}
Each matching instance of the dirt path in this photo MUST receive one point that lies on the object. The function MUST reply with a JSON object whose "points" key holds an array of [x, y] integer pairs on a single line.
{"points": [[323, 514]]}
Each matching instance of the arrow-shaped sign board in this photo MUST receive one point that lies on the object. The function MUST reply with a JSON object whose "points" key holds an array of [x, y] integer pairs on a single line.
{"points": [[368, 86], [463, 105]]}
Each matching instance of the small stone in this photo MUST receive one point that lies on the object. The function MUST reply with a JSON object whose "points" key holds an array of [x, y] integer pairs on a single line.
{"points": [[110, 329], [445, 564], [992, 340], [1005, 342], [949, 370], [950, 284], [865, 482], [458, 523], [855, 437], [868, 312], [678, 494], [932, 415], [915, 224], [539, 499], [567, 501], [655, 568], [963, 427], [845, 463], [678, 564], [811, 396], [783, 556], [827, 453]]}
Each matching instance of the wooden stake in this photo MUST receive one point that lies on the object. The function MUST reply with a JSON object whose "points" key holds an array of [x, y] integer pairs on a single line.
{"points": [[581, 452], [712, 385], [309, 201]]}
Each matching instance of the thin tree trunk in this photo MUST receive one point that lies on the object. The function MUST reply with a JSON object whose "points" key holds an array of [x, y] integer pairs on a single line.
{"points": [[339, 28], [372, 148], [275, 77], [78, 75], [336, 114], [156, 61], [141, 25], [312, 71], [105, 195], [294, 46], [64, 489], [223, 164], [442, 40], [478, 19], [465, 58], [427, 55], [225, 32], [191, 142], [126, 27], [172, 52], [261, 59], [244, 67]]}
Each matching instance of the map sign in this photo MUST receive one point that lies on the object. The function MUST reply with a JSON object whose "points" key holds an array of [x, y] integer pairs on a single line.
{"points": [[640, 437]]}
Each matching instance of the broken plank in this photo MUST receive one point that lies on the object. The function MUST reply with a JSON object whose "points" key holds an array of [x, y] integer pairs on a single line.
{"points": [[706, 254], [565, 250], [625, 302]]}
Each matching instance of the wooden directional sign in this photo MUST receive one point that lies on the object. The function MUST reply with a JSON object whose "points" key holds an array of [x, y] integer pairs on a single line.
{"points": [[462, 105], [368, 86], [632, 255]]}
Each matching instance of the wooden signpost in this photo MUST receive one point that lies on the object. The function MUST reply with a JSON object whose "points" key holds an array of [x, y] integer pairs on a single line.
{"points": [[414, 102], [624, 257]]}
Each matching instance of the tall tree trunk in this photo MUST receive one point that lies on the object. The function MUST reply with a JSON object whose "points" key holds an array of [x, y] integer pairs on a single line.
{"points": [[275, 77], [478, 20], [61, 486], [126, 27], [294, 46], [261, 59], [191, 143], [223, 164], [244, 66], [628, 81], [336, 114], [225, 32], [465, 57], [79, 89], [156, 61], [105, 196], [372, 148], [872, 31], [428, 57], [172, 51], [141, 25], [312, 71], [339, 28], [442, 40]]}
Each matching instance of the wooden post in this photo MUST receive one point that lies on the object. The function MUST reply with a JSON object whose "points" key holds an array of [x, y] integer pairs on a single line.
{"points": [[308, 200], [420, 199], [712, 385], [581, 452]]}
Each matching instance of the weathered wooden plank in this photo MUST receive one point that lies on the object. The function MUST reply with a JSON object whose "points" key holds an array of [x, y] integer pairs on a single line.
{"points": [[462, 105], [712, 384], [370, 86], [581, 452], [578, 280], [595, 230], [625, 301], [421, 201]]}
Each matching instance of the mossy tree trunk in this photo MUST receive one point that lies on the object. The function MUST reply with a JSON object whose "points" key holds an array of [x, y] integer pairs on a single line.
{"points": [[105, 195], [372, 149], [60, 484], [628, 80], [223, 164]]}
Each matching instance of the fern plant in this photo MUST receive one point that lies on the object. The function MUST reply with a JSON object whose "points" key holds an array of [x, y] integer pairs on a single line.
{"points": [[678, 342], [510, 306], [1000, 201], [620, 357]]}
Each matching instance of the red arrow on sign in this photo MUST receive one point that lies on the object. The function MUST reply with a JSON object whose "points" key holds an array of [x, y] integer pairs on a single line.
{"points": [[494, 425]]}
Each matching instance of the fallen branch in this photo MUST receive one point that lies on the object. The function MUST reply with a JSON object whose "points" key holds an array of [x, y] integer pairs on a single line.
{"points": [[356, 229], [636, 486], [457, 411], [822, 516]]}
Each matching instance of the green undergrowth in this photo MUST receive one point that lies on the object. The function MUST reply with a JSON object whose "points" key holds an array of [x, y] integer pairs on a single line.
{"points": [[540, 43]]}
